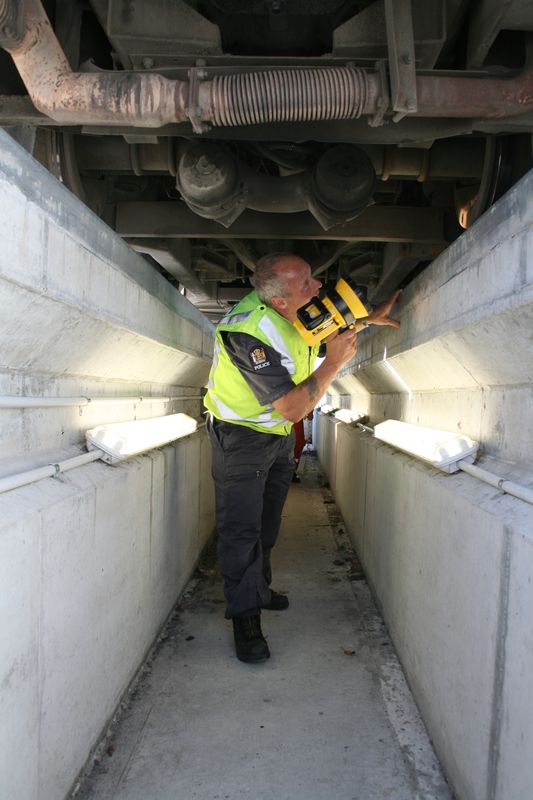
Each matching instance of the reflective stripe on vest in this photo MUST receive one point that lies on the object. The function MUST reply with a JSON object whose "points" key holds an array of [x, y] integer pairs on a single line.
{"points": [[265, 419], [278, 343]]}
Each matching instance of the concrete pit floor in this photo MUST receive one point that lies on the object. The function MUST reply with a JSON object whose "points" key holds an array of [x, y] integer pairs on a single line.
{"points": [[328, 716]]}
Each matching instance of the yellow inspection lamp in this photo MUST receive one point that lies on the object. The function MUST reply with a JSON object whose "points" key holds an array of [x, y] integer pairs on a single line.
{"points": [[339, 308]]}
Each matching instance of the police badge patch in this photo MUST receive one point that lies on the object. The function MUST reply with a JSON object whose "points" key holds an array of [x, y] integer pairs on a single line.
{"points": [[258, 358]]}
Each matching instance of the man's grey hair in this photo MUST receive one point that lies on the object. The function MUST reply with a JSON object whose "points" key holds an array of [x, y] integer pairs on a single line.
{"points": [[266, 280]]}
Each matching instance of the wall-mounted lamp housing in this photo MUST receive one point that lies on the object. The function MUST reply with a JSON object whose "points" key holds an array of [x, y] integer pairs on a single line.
{"points": [[441, 449], [348, 415], [122, 440]]}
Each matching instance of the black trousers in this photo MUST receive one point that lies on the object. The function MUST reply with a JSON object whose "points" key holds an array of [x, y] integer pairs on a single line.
{"points": [[252, 473]]}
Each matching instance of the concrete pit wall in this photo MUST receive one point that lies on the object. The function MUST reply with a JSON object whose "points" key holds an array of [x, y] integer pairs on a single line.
{"points": [[450, 559], [91, 563]]}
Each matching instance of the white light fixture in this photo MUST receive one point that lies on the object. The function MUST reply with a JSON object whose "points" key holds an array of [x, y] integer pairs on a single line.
{"points": [[347, 415], [122, 440], [441, 449]]}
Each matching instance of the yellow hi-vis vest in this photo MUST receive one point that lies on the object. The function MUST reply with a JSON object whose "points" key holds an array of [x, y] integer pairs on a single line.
{"points": [[229, 397]]}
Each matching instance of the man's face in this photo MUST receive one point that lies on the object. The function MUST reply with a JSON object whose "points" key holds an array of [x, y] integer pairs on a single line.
{"points": [[300, 285]]}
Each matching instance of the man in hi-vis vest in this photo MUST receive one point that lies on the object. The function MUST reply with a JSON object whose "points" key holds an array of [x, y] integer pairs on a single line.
{"points": [[263, 379]]}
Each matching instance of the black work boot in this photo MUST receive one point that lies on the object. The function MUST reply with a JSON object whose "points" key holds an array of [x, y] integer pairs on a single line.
{"points": [[250, 644]]}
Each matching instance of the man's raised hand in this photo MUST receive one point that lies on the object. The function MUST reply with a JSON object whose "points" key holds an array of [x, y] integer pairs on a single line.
{"points": [[381, 313]]}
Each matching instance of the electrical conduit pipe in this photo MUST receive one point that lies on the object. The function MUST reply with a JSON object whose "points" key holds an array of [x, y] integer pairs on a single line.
{"points": [[509, 487]]}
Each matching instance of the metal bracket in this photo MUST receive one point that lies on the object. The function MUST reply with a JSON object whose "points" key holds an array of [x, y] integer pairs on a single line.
{"points": [[402, 64], [193, 109], [383, 100], [58, 475]]}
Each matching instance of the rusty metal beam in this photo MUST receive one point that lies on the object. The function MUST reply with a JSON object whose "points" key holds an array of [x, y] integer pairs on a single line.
{"points": [[450, 95], [375, 224], [74, 97]]}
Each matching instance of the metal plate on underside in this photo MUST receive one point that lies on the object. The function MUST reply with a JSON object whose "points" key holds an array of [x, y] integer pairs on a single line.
{"points": [[161, 27]]}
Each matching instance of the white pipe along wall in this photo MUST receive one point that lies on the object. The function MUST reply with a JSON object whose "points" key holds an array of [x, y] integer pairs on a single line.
{"points": [[93, 561], [450, 559]]}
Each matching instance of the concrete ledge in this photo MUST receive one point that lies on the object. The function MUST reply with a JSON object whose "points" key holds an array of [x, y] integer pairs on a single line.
{"points": [[450, 561], [463, 357], [82, 315], [90, 567], [484, 274], [44, 219]]}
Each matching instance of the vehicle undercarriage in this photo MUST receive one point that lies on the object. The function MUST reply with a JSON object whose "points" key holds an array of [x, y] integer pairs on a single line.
{"points": [[363, 135]]}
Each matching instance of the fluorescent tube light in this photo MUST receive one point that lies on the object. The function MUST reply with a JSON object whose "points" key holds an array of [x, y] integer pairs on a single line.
{"points": [[122, 440], [441, 449]]}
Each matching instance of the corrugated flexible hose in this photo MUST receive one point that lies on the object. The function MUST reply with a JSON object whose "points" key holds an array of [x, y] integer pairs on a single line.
{"points": [[295, 95]]}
